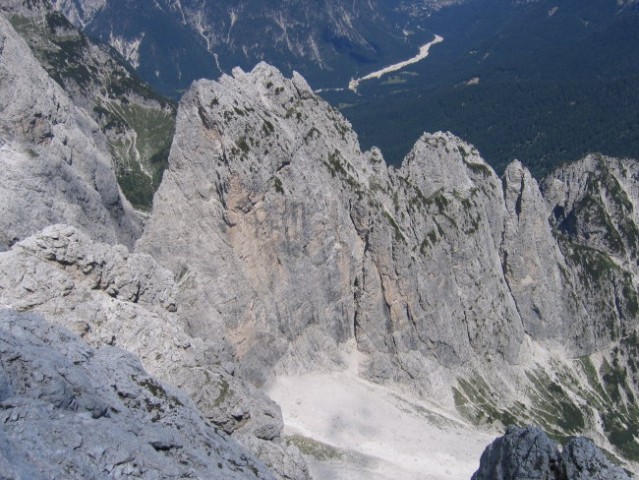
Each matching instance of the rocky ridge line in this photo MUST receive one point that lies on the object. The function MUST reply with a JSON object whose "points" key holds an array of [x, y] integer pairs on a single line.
{"points": [[453, 281], [55, 162]]}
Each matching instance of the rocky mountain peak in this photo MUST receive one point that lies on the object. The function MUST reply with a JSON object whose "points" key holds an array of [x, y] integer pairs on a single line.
{"points": [[255, 154], [443, 160], [282, 177], [439, 271]]}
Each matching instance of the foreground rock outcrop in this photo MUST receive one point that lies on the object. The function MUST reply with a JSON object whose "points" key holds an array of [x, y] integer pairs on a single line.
{"points": [[527, 453], [70, 411], [110, 296]]}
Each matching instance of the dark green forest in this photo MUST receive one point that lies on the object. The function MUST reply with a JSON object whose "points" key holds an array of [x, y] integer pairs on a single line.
{"points": [[545, 83], [540, 123]]}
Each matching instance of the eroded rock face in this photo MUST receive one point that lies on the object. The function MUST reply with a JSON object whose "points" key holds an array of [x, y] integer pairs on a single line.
{"points": [[527, 454], [596, 224], [72, 411], [291, 239], [113, 297], [533, 263], [272, 235], [454, 283], [134, 122], [54, 161]]}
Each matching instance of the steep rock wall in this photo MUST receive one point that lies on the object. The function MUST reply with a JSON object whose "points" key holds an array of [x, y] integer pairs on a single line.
{"points": [[52, 155]]}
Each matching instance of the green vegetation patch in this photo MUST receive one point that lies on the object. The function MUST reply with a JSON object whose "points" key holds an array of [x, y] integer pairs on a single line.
{"points": [[313, 448], [277, 183], [429, 240], [243, 145], [397, 231], [476, 401], [140, 141], [620, 414], [596, 266], [553, 405], [224, 392]]}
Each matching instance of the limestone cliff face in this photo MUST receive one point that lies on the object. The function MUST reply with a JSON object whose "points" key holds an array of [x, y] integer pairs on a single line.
{"points": [[437, 261], [53, 158], [255, 191], [453, 282], [594, 218], [533, 264], [294, 241]]}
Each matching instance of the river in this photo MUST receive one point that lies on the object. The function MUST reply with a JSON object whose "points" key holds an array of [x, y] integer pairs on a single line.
{"points": [[423, 53]]}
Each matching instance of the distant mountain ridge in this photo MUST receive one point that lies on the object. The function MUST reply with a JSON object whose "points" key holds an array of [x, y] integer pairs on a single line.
{"points": [[541, 81], [173, 43]]}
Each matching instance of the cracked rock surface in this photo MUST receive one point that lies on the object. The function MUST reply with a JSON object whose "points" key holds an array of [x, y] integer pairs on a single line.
{"points": [[71, 411], [110, 296]]}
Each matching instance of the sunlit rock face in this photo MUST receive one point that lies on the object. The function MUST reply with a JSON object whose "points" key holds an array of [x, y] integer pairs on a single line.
{"points": [[454, 283], [55, 162]]}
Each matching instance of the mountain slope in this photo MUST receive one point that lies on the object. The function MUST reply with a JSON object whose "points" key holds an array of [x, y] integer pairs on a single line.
{"points": [[56, 166], [453, 282], [137, 122], [75, 412], [328, 41]]}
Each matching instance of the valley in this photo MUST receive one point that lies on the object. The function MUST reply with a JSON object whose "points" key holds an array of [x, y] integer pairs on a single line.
{"points": [[549, 88], [352, 429], [423, 53]]}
